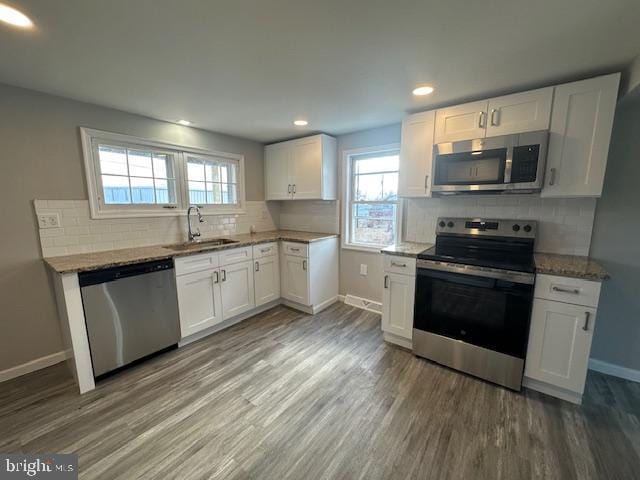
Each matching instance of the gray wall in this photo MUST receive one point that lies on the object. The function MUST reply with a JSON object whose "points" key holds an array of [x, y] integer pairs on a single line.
{"points": [[351, 282], [616, 244], [41, 158]]}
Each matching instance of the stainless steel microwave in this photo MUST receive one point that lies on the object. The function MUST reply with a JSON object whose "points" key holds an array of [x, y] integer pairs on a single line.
{"points": [[505, 164]]}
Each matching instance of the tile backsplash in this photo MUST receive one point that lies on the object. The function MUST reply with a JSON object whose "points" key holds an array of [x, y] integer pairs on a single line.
{"points": [[564, 225], [310, 216], [78, 233]]}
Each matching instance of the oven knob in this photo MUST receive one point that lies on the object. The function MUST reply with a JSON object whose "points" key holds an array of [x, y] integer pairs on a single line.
{"points": [[527, 228], [450, 224], [516, 228], [442, 224]]}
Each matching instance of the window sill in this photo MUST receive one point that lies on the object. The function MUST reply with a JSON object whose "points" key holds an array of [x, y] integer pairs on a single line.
{"points": [[363, 248]]}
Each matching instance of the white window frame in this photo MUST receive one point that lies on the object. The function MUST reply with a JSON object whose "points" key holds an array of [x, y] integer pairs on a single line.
{"points": [[347, 188], [94, 183]]}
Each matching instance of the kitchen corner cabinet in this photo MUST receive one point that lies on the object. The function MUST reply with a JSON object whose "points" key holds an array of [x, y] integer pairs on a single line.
{"points": [[416, 155], [302, 169], [399, 286], [579, 135], [562, 322]]}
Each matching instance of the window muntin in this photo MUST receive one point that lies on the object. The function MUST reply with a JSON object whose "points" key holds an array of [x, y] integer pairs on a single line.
{"points": [[373, 199], [212, 181], [136, 176]]}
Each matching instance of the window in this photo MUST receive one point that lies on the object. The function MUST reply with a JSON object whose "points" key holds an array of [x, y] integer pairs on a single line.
{"points": [[372, 193], [131, 177], [212, 181]]}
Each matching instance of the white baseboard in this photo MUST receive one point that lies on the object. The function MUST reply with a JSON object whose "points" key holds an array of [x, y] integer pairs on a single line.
{"points": [[552, 390], [615, 370], [32, 366], [363, 303]]}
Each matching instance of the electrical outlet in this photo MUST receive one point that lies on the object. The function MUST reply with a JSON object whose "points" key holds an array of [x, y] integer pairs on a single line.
{"points": [[49, 220], [363, 269]]}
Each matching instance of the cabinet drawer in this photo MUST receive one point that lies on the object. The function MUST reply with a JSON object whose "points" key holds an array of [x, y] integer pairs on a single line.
{"points": [[235, 255], [295, 249], [395, 264], [265, 250], [567, 290], [195, 263]]}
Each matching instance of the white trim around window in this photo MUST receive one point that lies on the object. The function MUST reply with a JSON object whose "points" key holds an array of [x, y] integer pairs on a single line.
{"points": [[175, 199], [347, 185]]}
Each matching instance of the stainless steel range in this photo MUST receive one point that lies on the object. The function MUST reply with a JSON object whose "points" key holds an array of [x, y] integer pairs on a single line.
{"points": [[474, 292]]}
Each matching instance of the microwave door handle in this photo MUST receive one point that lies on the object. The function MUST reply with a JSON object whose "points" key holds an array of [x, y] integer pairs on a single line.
{"points": [[508, 165]]}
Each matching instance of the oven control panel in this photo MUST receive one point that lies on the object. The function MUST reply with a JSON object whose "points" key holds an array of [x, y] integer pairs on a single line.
{"points": [[489, 227]]}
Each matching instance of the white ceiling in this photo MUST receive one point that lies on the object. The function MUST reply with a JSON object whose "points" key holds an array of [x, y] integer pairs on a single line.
{"points": [[249, 67]]}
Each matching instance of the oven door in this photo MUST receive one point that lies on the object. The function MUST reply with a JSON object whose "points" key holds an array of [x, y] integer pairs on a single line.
{"points": [[479, 309]]}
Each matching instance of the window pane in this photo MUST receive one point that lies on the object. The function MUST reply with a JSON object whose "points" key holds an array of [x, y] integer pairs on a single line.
{"points": [[373, 224], [142, 190], [214, 193], [229, 194], [160, 166], [195, 169], [212, 172], [165, 191], [376, 164], [115, 189], [140, 164], [113, 160], [197, 193]]}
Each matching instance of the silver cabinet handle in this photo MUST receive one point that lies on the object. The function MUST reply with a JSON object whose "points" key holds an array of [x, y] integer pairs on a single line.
{"points": [[294, 249], [257, 266], [493, 117], [224, 275], [552, 178], [395, 264], [304, 265], [574, 291], [481, 121], [289, 188], [217, 277], [294, 188], [587, 316], [386, 281], [426, 182], [265, 250]]}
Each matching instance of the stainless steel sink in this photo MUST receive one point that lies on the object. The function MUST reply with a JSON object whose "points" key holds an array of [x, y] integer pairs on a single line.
{"points": [[215, 242]]}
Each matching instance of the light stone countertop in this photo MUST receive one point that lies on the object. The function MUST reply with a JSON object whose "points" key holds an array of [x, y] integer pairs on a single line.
{"points": [[570, 266], [407, 249], [84, 262]]}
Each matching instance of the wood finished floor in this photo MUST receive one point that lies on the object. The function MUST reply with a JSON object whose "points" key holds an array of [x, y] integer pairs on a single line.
{"points": [[291, 396]]}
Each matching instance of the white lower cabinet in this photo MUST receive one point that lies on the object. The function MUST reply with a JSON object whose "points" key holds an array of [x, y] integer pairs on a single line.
{"points": [[398, 299], [266, 278], [295, 279], [199, 301], [560, 336], [236, 285]]}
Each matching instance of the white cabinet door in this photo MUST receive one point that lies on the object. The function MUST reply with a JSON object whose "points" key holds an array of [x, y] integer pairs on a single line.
{"points": [[416, 155], [520, 112], [559, 344], [236, 285], [306, 168], [462, 122], [266, 278], [295, 279], [277, 182], [579, 136], [397, 304], [199, 301]]}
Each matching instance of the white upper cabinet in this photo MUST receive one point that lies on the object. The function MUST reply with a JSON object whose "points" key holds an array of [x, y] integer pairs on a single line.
{"points": [[579, 136], [302, 169], [520, 112], [276, 171], [416, 155], [461, 122]]}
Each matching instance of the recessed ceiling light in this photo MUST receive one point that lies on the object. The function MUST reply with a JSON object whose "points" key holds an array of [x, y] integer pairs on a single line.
{"points": [[14, 17], [186, 123], [300, 123], [420, 91]]}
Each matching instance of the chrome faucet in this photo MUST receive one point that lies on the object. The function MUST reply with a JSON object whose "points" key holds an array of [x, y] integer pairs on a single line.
{"points": [[193, 234]]}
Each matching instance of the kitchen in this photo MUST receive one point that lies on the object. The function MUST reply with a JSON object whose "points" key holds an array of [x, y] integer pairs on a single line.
{"points": [[246, 292]]}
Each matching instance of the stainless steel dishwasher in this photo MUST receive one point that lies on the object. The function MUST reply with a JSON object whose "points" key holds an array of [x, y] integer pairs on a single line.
{"points": [[131, 312]]}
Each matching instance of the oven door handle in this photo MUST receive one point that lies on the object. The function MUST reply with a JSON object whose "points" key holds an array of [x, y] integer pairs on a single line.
{"points": [[471, 270]]}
